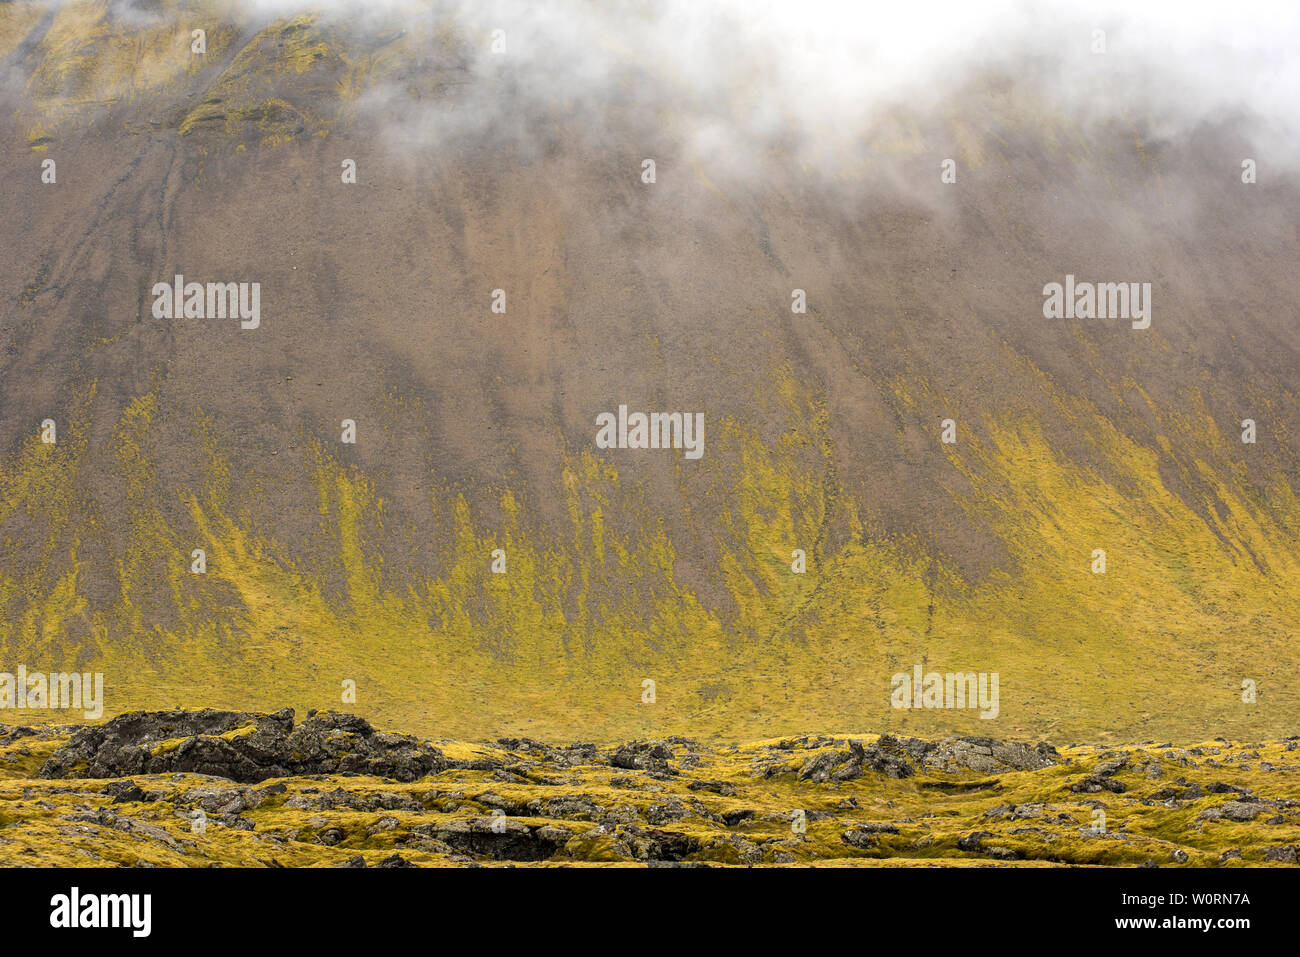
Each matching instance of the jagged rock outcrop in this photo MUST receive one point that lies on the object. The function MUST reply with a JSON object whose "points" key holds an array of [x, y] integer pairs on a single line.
{"points": [[242, 746], [899, 757]]}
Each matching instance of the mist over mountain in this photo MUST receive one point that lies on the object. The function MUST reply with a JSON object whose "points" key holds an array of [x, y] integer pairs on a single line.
{"points": [[919, 180]]}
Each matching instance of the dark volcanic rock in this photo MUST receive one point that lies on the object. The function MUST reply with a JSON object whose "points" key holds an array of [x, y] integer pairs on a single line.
{"points": [[856, 837], [1094, 783], [241, 746], [503, 839], [653, 844], [878, 827], [1240, 811], [887, 756], [650, 756], [1102, 778]]}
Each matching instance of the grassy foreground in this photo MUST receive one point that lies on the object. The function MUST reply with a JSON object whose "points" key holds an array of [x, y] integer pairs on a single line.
{"points": [[811, 800]]}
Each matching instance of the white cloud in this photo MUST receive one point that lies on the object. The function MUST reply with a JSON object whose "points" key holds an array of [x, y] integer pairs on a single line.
{"points": [[735, 73]]}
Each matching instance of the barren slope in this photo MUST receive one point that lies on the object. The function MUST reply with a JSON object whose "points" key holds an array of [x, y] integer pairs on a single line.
{"points": [[372, 562]]}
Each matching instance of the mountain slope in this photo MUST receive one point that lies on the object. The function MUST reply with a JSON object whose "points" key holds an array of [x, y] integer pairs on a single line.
{"points": [[330, 562]]}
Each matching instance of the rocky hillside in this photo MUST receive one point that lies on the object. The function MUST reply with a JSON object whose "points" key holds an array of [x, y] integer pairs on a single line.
{"points": [[397, 488], [238, 789]]}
